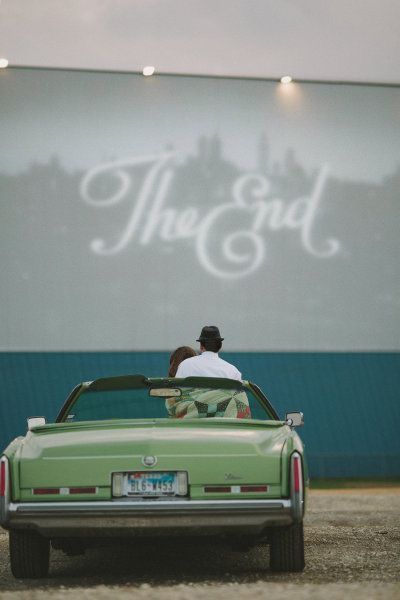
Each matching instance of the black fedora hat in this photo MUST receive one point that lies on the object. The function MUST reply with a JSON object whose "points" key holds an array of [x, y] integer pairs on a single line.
{"points": [[210, 332]]}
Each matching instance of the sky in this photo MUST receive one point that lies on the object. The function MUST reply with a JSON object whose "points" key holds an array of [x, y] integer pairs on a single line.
{"points": [[345, 40]]}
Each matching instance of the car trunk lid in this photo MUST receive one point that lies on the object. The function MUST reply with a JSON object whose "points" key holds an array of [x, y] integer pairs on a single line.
{"points": [[210, 451]]}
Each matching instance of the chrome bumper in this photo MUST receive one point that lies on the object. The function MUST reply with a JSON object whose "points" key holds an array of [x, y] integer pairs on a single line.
{"points": [[149, 517]]}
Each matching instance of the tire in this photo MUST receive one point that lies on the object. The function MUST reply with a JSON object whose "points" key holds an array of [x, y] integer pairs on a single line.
{"points": [[287, 548], [29, 554]]}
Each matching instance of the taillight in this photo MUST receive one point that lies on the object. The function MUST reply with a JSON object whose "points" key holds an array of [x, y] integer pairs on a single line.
{"points": [[296, 473], [296, 486], [4, 489], [3, 477]]}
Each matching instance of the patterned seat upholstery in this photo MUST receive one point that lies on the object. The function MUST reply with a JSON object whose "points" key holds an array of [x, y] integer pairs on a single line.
{"points": [[203, 403]]}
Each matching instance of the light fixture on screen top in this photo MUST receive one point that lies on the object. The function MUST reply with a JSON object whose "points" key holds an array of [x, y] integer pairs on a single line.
{"points": [[3, 63], [286, 79], [147, 71]]}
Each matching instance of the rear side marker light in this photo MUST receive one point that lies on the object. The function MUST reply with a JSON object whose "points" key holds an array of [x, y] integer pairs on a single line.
{"points": [[40, 491]]}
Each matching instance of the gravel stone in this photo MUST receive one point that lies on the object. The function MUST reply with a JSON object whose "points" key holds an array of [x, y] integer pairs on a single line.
{"points": [[352, 548]]}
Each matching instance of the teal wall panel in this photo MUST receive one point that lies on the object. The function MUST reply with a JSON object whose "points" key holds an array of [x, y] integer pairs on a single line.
{"points": [[350, 400]]}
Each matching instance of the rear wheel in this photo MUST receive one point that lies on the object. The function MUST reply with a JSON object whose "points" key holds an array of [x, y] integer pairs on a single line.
{"points": [[29, 554], [287, 548]]}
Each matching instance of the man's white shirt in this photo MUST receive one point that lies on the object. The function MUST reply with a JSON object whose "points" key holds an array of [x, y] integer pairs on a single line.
{"points": [[207, 364]]}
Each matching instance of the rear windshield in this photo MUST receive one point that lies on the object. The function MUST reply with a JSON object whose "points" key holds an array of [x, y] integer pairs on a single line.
{"points": [[193, 403]]}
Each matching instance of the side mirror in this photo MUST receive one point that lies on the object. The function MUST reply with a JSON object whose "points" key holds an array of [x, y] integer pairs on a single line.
{"points": [[295, 419], [35, 422]]}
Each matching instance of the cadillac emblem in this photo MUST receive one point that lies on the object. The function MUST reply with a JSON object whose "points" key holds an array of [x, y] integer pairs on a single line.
{"points": [[149, 461]]}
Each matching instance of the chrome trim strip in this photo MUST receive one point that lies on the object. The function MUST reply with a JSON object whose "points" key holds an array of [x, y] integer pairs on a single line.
{"points": [[115, 506]]}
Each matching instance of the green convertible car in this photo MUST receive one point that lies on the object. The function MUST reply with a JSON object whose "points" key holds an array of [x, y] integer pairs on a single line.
{"points": [[132, 456]]}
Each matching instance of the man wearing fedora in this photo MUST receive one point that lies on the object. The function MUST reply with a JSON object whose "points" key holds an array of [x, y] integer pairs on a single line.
{"points": [[208, 363]]}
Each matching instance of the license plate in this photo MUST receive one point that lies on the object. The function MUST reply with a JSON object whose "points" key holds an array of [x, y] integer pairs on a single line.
{"points": [[152, 484]]}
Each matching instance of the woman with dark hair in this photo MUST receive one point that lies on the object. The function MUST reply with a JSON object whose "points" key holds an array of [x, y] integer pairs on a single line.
{"points": [[177, 356]]}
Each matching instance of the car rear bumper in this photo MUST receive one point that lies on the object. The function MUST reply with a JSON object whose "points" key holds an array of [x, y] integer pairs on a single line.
{"points": [[150, 517]]}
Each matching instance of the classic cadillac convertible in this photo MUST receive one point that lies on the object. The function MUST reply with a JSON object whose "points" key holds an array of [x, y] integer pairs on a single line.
{"points": [[132, 456]]}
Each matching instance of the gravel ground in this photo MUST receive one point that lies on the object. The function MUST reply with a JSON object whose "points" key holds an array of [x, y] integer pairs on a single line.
{"points": [[352, 542]]}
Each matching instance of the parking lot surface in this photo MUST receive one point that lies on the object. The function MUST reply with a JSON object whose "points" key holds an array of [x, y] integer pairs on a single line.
{"points": [[352, 544]]}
